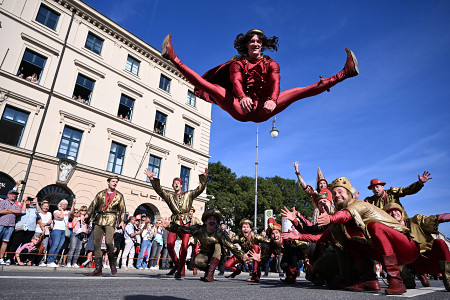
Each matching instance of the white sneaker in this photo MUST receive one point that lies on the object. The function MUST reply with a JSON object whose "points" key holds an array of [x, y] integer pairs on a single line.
{"points": [[124, 268], [131, 268], [8, 262], [68, 266], [52, 265], [2, 262], [75, 266], [106, 267], [42, 265], [140, 268], [153, 268]]}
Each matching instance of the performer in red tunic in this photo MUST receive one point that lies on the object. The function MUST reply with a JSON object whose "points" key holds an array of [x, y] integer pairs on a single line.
{"points": [[248, 86]]}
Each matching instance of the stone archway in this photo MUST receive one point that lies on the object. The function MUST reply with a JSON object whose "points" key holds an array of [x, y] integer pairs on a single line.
{"points": [[7, 183], [149, 209], [54, 193]]}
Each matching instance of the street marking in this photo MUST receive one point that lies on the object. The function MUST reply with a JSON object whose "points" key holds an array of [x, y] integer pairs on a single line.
{"points": [[419, 292], [82, 277]]}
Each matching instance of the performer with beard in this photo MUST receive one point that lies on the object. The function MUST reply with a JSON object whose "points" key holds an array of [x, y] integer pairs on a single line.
{"points": [[211, 239]]}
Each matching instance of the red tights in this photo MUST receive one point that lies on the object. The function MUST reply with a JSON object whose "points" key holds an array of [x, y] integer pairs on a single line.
{"points": [[171, 238], [228, 102]]}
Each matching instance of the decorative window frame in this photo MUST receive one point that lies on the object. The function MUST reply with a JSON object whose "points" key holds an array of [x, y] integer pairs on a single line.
{"points": [[120, 137], [187, 162]]}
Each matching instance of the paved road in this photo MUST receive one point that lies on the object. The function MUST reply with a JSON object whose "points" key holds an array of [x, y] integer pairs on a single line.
{"points": [[63, 284]]}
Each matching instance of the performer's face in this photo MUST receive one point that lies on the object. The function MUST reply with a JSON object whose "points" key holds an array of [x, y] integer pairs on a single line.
{"points": [[254, 46], [112, 184], [340, 197], [322, 203], [396, 214], [378, 190], [322, 185], [211, 224], [276, 235], [177, 185], [246, 228]]}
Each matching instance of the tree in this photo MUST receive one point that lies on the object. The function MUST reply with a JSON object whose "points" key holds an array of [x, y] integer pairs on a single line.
{"points": [[235, 197]]}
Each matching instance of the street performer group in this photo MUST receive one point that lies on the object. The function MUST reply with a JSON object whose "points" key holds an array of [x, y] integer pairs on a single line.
{"points": [[341, 243]]}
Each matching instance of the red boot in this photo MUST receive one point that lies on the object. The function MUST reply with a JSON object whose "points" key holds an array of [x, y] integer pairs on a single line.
{"points": [[424, 280], [291, 276], [351, 65], [236, 272], [167, 48], [209, 275], [396, 286], [445, 270]]}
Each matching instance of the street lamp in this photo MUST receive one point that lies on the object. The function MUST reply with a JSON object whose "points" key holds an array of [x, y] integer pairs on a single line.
{"points": [[274, 133]]}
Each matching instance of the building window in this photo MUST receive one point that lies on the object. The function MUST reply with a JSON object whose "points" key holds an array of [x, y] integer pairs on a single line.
{"points": [[70, 143], [154, 165], [83, 89], [94, 43], [116, 157], [184, 175], [164, 83], [188, 136], [125, 108], [191, 98], [160, 123], [31, 66], [132, 65], [47, 17], [12, 126]]}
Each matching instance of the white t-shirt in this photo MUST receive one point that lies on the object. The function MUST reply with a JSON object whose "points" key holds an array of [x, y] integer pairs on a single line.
{"points": [[45, 218], [60, 225]]}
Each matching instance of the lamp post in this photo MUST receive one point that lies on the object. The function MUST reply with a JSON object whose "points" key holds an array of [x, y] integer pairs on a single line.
{"points": [[274, 133]]}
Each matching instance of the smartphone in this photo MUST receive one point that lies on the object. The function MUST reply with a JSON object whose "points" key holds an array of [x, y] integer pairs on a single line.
{"points": [[72, 196]]}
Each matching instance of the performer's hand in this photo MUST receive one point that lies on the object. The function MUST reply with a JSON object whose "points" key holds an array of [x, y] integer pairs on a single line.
{"points": [[205, 173], [164, 223], [290, 215], [296, 163], [425, 177], [291, 235], [323, 219], [253, 255], [269, 105], [246, 104], [149, 174]]}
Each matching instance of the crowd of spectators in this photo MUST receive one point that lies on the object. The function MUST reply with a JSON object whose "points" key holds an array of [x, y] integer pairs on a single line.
{"points": [[32, 235]]}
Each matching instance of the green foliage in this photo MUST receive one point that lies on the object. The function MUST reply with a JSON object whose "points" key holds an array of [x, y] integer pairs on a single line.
{"points": [[235, 197]]}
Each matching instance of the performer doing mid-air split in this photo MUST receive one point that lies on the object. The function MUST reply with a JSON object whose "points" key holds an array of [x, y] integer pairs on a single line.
{"points": [[248, 86]]}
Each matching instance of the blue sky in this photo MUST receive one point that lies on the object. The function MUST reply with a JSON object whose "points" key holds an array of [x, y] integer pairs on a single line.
{"points": [[391, 122]]}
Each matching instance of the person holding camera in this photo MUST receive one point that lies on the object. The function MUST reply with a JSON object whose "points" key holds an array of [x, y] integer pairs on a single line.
{"points": [[130, 243], [146, 241], [25, 225], [79, 236], [58, 234]]}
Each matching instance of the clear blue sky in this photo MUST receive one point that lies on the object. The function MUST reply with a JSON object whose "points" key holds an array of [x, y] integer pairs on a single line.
{"points": [[391, 122]]}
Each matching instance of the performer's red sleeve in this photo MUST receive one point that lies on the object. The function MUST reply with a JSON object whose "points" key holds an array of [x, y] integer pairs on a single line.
{"points": [[313, 238], [305, 221], [274, 80], [444, 218], [237, 79], [340, 217]]}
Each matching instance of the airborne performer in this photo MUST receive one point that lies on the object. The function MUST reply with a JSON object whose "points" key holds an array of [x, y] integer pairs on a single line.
{"points": [[248, 86]]}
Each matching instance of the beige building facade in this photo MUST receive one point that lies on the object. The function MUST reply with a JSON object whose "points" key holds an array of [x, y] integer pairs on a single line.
{"points": [[115, 106]]}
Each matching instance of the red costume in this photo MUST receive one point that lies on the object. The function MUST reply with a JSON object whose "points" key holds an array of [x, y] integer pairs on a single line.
{"points": [[258, 79]]}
